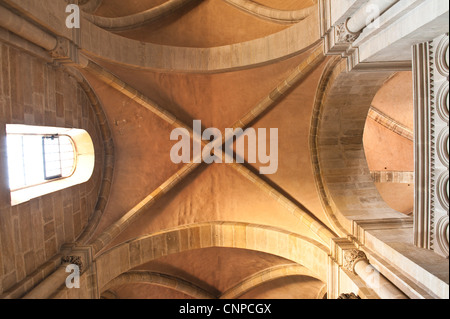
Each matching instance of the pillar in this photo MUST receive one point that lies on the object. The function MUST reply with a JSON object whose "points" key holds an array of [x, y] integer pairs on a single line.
{"points": [[362, 17], [356, 261], [350, 30], [80, 256]]}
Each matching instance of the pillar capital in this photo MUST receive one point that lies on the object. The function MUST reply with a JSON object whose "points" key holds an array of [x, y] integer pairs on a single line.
{"points": [[80, 256], [351, 257], [66, 52], [344, 35], [351, 295]]}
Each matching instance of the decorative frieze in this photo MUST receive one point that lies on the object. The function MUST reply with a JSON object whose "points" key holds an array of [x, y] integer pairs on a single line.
{"points": [[431, 89]]}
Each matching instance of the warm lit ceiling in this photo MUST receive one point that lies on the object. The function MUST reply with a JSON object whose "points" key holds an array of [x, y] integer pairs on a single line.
{"points": [[217, 192]]}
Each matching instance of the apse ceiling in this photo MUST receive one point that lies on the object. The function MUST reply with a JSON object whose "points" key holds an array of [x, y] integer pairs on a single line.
{"points": [[219, 192]]}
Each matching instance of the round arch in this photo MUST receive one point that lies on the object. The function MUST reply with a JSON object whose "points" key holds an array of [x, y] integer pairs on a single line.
{"points": [[126, 256], [277, 46], [187, 288], [342, 173]]}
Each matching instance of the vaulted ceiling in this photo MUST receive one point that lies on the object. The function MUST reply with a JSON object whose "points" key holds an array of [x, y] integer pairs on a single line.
{"points": [[221, 192]]}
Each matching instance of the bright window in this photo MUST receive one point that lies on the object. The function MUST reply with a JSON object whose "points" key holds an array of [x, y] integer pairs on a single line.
{"points": [[42, 160], [36, 159]]}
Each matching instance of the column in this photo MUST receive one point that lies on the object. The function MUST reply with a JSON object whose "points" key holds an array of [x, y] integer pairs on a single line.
{"points": [[350, 30], [356, 261], [52, 283], [363, 17], [80, 256]]}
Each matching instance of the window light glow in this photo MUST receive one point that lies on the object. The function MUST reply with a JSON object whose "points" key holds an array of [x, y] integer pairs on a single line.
{"points": [[42, 160]]}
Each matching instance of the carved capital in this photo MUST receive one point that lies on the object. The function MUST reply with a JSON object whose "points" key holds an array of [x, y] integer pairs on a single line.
{"points": [[348, 296], [65, 52], [343, 35], [351, 257], [75, 260]]}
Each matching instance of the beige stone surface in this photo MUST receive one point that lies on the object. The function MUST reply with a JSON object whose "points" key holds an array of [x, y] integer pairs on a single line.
{"points": [[210, 23], [36, 94], [147, 228]]}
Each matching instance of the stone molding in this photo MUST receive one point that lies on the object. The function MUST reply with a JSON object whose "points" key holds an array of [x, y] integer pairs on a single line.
{"points": [[139, 19], [430, 61], [271, 14], [390, 123]]}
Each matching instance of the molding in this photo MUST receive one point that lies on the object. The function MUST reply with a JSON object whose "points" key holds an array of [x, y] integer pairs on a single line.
{"points": [[411, 282], [430, 150], [271, 14], [108, 156], [16, 41], [139, 19], [421, 147], [442, 234], [395, 66], [359, 227], [390, 123], [331, 71]]}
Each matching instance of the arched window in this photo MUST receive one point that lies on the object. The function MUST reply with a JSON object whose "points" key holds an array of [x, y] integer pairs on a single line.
{"points": [[42, 160]]}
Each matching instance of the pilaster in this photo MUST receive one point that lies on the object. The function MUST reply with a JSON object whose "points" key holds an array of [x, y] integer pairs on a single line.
{"points": [[431, 89]]}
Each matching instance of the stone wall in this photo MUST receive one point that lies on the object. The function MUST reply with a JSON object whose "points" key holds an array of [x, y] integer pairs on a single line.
{"points": [[33, 92]]}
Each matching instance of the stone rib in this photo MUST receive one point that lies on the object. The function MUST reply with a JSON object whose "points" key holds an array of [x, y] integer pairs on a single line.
{"points": [[136, 20], [271, 14]]}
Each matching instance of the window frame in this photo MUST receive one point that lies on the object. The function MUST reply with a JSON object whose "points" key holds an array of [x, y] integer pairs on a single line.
{"points": [[74, 166], [83, 167]]}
